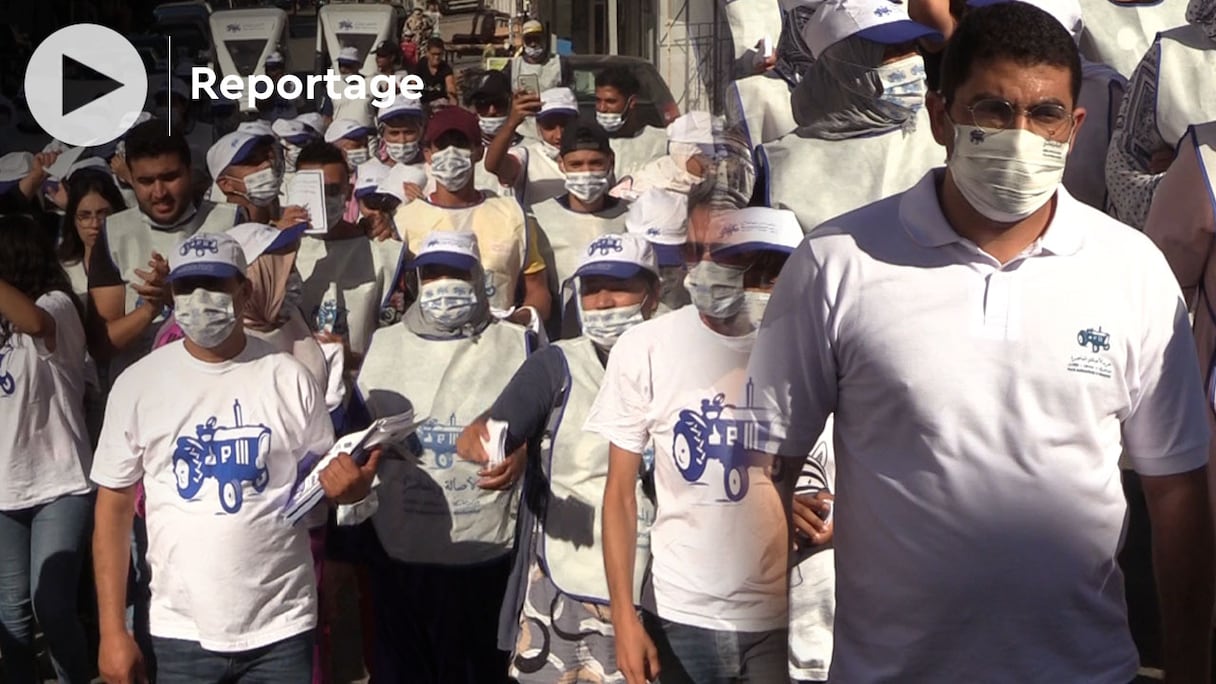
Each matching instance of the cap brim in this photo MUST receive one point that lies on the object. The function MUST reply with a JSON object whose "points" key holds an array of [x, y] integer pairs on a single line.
{"points": [[563, 111], [463, 262], [611, 269], [668, 255], [205, 270], [286, 237], [896, 32], [745, 247], [248, 147], [360, 132]]}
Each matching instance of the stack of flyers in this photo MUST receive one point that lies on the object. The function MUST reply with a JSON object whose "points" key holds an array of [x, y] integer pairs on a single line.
{"points": [[308, 492], [496, 444]]}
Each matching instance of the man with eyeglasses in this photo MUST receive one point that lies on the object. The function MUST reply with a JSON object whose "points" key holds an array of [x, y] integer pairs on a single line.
{"points": [[988, 345]]}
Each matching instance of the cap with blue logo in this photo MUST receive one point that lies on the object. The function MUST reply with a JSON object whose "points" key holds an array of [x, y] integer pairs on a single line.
{"points": [[233, 148], [209, 255], [661, 216], [293, 131], [346, 129], [618, 256], [881, 21], [755, 229], [455, 249], [401, 105], [258, 238]]}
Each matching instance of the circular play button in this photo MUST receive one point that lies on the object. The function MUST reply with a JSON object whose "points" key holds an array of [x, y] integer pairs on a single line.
{"points": [[85, 84]]}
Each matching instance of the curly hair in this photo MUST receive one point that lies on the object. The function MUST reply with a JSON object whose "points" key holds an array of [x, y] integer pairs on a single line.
{"points": [[28, 263]]}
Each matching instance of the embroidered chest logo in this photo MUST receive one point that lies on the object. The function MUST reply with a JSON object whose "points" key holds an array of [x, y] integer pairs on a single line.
{"points": [[718, 432], [1093, 341], [440, 440], [232, 455], [8, 384]]}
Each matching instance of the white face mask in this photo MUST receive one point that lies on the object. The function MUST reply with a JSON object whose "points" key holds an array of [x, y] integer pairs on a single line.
{"points": [[610, 121], [605, 326], [551, 151], [588, 186], [903, 83], [452, 167], [754, 305], [491, 125], [448, 303], [291, 154], [262, 187], [716, 290], [534, 52], [206, 318], [1008, 175], [402, 153], [356, 157]]}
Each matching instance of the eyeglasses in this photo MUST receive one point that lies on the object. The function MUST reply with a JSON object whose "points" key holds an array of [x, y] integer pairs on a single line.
{"points": [[87, 217], [994, 114]]}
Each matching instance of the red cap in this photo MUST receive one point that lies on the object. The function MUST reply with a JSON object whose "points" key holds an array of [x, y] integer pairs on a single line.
{"points": [[453, 119]]}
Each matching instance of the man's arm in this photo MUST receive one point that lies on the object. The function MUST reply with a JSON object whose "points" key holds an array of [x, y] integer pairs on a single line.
{"points": [[498, 160], [118, 659], [111, 329], [537, 295], [25, 316], [1183, 565]]}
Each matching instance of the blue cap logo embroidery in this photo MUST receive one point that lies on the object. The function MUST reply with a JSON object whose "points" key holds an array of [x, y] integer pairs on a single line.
{"points": [[606, 245], [201, 245]]}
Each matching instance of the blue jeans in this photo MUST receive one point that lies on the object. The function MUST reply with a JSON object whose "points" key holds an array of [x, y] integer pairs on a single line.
{"points": [[186, 662], [695, 655], [41, 551]]}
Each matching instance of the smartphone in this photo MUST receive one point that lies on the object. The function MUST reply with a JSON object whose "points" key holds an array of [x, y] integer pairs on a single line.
{"points": [[530, 83]]}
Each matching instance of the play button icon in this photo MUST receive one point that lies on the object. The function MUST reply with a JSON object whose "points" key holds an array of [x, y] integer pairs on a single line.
{"points": [[85, 84]]}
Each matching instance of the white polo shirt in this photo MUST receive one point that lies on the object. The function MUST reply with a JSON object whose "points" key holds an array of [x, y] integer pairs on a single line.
{"points": [[979, 415]]}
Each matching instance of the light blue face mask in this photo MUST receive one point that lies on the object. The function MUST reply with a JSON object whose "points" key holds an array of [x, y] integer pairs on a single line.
{"points": [[903, 83], [449, 303], [715, 289]]}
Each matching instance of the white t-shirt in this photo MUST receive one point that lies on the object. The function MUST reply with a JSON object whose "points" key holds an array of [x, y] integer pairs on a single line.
{"points": [[217, 447], [44, 449], [979, 415], [718, 563]]}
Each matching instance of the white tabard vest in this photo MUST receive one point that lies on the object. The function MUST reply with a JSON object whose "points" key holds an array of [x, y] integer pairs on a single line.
{"points": [[848, 173], [346, 283], [431, 510], [131, 241], [1102, 90], [750, 22], [634, 153], [567, 234], [1188, 60], [1119, 35], [549, 74], [502, 237], [762, 104], [545, 177], [576, 463]]}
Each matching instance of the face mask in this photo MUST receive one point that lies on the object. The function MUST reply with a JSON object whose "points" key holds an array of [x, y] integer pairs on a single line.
{"points": [[754, 304], [551, 151], [356, 157], [534, 52], [1006, 176], [291, 154], [262, 187], [588, 186], [206, 318], [448, 303], [716, 290], [452, 168], [335, 209], [605, 326], [610, 121], [491, 125], [903, 83], [401, 153]]}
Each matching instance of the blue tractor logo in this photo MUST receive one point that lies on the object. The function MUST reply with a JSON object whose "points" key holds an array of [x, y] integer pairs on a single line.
{"points": [[440, 440], [720, 432], [8, 384], [329, 317], [605, 245], [1095, 339], [232, 455], [200, 245]]}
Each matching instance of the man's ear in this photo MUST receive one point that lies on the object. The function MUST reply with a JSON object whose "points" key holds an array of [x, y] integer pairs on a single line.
{"points": [[633, 101], [1078, 117], [226, 184], [939, 120], [561, 163]]}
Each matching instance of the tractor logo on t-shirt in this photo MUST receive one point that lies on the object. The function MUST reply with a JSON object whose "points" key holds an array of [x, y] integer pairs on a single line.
{"points": [[1094, 339], [720, 432], [440, 440], [232, 455], [8, 384]]}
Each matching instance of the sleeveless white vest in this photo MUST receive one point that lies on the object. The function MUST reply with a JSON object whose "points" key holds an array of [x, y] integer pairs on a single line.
{"points": [[1085, 175], [548, 75], [576, 463], [569, 232], [431, 510], [638, 151], [501, 233], [1119, 35], [545, 177], [762, 104], [848, 173], [1184, 95]]}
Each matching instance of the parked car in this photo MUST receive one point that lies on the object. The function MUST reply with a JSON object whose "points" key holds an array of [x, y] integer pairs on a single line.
{"points": [[655, 103]]}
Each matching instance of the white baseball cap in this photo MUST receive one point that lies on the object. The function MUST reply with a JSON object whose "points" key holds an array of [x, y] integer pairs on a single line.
{"points": [[1067, 12], [693, 127], [275, 57], [13, 167], [314, 121], [346, 128], [456, 249], [557, 101], [258, 238], [532, 26], [293, 131], [256, 127], [400, 106], [231, 149], [880, 21], [661, 216], [349, 54], [211, 255], [370, 174], [756, 228], [618, 256]]}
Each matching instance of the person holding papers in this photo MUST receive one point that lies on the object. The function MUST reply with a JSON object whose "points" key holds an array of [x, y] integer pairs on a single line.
{"points": [[445, 527], [215, 427], [401, 126], [556, 619]]}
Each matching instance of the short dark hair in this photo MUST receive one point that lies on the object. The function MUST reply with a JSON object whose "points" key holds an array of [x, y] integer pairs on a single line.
{"points": [[320, 153], [1012, 31], [149, 139], [619, 77], [435, 42]]}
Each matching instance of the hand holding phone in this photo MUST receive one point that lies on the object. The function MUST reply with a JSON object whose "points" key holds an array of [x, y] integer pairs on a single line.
{"points": [[530, 83]]}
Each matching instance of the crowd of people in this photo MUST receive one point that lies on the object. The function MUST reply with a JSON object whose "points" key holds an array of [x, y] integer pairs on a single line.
{"points": [[641, 364]]}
